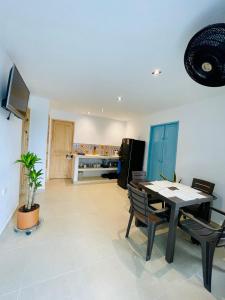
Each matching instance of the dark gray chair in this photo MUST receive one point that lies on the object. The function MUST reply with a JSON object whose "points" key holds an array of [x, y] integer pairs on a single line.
{"points": [[208, 237], [148, 215], [138, 176], [201, 211], [141, 176]]}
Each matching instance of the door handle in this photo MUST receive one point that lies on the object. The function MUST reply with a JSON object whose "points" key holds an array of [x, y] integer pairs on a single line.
{"points": [[69, 156]]}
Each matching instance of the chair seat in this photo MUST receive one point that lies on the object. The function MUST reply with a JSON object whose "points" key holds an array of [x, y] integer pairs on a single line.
{"points": [[193, 209], [134, 184], [221, 243], [198, 231], [154, 201], [151, 217]]}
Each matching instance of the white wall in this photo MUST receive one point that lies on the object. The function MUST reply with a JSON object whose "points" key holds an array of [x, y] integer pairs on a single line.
{"points": [[39, 130], [93, 130], [10, 150], [201, 141]]}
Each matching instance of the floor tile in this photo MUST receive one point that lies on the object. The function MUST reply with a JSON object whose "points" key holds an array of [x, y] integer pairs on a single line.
{"points": [[9, 296], [80, 252], [11, 270]]}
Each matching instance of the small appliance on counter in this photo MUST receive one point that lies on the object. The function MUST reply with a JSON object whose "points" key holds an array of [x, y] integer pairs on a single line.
{"points": [[131, 157]]}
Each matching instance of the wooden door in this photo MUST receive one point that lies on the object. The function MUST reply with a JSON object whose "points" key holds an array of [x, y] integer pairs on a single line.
{"points": [[24, 149], [61, 146]]}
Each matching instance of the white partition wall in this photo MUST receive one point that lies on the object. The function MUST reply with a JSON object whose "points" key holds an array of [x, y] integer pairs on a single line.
{"points": [[39, 110], [10, 149], [93, 130]]}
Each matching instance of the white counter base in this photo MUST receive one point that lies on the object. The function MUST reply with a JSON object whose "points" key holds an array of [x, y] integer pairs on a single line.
{"points": [[90, 180], [89, 175]]}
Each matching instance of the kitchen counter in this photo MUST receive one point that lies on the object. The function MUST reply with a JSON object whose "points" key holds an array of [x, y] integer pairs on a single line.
{"points": [[89, 172]]}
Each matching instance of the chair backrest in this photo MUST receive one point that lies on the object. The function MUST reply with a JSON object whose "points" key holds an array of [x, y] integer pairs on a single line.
{"points": [[139, 202], [138, 176], [203, 186]]}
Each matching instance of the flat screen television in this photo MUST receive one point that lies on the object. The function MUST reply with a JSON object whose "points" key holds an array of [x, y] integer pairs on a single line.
{"points": [[17, 97]]}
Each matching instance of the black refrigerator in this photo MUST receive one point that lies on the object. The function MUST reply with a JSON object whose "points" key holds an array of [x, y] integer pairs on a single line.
{"points": [[131, 157]]}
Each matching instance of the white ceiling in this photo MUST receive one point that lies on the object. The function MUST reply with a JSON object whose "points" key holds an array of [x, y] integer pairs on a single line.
{"points": [[83, 54]]}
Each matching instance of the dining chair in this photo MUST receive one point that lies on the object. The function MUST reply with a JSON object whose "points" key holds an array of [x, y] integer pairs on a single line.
{"points": [[141, 176], [138, 176], [201, 210], [208, 237], [148, 215]]}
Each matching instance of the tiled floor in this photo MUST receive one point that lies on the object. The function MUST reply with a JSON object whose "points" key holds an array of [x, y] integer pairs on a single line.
{"points": [[80, 252]]}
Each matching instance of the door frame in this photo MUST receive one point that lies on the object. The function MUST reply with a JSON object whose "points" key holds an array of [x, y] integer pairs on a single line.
{"points": [[152, 127], [24, 149], [50, 144]]}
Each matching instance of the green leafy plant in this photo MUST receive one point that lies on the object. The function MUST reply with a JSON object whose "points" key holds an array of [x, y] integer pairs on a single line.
{"points": [[174, 178], [29, 161]]}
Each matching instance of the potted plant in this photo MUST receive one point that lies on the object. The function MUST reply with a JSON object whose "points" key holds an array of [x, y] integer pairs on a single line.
{"points": [[28, 214]]}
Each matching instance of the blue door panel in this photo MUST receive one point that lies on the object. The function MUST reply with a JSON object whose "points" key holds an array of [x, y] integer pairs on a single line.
{"points": [[156, 153], [170, 150], [162, 151]]}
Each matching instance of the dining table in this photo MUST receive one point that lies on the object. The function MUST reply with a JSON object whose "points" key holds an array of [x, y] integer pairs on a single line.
{"points": [[176, 196]]}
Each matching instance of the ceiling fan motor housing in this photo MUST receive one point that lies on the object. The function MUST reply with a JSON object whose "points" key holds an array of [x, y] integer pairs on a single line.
{"points": [[204, 58]]}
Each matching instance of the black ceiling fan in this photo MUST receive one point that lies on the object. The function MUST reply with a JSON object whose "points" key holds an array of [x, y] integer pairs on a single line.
{"points": [[204, 58]]}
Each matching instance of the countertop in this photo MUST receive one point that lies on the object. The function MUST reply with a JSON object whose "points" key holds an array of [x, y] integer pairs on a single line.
{"points": [[97, 156]]}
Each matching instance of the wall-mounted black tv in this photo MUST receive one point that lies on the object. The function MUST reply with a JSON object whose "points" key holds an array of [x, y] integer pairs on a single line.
{"points": [[17, 97]]}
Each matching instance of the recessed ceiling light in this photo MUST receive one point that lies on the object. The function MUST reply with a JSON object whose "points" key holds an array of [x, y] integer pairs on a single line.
{"points": [[119, 99], [156, 72]]}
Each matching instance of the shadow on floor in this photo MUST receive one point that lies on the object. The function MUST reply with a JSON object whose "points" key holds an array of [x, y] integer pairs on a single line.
{"points": [[187, 260]]}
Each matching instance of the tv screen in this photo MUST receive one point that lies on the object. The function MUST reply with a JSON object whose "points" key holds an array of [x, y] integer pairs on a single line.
{"points": [[17, 94]]}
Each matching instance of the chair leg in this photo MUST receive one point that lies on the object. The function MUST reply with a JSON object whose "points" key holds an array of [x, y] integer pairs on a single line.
{"points": [[130, 209], [207, 261], [129, 224], [194, 241], [151, 236]]}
